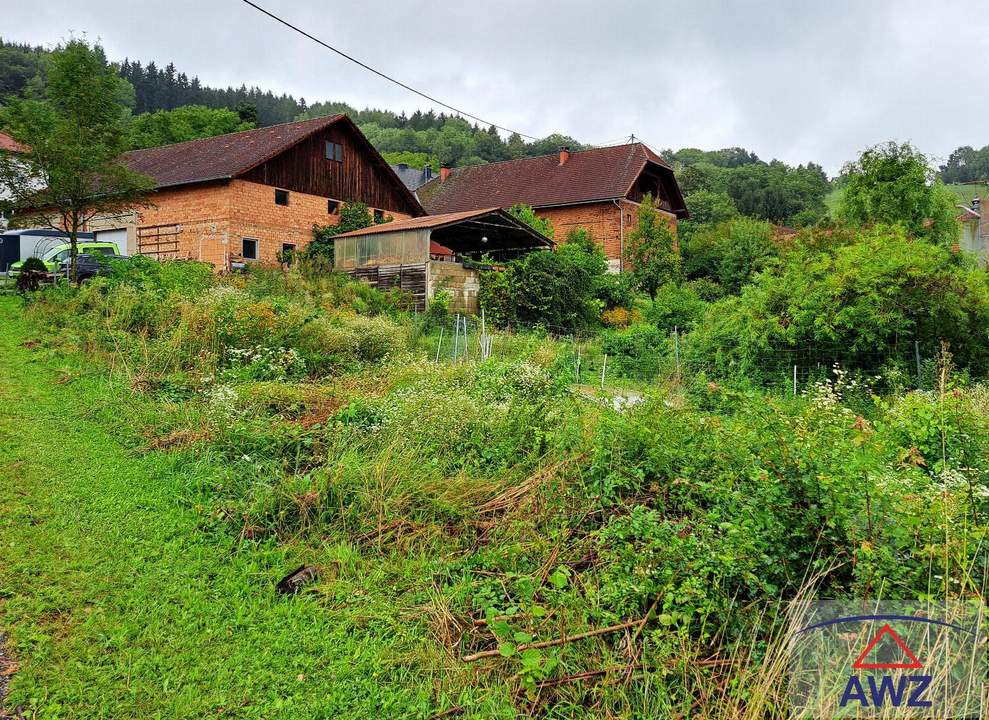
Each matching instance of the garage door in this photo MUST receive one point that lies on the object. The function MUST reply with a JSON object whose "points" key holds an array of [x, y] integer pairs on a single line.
{"points": [[115, 236]]}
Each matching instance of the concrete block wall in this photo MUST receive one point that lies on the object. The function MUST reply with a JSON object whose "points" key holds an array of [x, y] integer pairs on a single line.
{"points": [[462, 283]]}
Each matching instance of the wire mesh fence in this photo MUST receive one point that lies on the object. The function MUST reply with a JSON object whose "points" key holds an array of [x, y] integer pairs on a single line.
{"points": [[629, 359]]}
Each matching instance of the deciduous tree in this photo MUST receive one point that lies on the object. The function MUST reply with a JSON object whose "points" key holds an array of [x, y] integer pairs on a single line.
{"points": [[71, 171]]}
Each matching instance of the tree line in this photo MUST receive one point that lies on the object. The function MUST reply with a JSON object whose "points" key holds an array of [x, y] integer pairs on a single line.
{"points": [[170, 106]]}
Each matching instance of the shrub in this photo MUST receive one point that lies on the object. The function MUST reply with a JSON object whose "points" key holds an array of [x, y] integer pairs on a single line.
{"points": [[331, 345], [32, 273], [555, 289], [636, 352], [186, 277], [675, 307], [729, 253]]}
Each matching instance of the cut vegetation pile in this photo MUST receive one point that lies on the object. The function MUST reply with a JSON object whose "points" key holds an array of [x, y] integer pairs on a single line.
{"points": [[543, 554]]}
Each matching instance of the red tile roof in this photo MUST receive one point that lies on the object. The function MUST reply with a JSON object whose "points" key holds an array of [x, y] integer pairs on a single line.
{"points": [[222, 156], [10, 145], [589, 175]]}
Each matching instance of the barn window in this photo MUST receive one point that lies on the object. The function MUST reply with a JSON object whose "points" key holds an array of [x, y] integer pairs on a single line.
{"points": [[334, 151], [288, 253], [250, 249], [332, 207], [379, 216], [281, 197]]}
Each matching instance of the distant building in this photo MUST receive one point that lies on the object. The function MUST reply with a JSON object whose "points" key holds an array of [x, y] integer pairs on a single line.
{"points": [[414, 178], [437, 252], [8, 145], [598, 189], [974, 232]]}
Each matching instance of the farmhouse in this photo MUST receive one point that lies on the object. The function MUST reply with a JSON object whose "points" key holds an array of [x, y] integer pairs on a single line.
{"points": [[426, 254], [598, 189], [251, 195]]}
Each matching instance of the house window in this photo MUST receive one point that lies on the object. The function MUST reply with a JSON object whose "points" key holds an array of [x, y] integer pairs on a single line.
{"points": [[281, 197], [332, 207], [379, 216], [250, 249], [288, 253], [334, 151]]}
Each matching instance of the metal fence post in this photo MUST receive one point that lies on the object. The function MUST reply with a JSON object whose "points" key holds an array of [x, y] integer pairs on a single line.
{"points": [[439, 344]]}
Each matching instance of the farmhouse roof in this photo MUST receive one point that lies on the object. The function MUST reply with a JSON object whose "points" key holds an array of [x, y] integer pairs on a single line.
{"points": [[606, 173], [223, 157]]}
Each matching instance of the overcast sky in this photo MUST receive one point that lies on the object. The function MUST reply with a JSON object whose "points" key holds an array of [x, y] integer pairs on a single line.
{"points": [[799, 81]]}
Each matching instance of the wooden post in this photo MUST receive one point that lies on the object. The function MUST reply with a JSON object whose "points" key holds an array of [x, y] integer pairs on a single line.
{"points": [[916, 354], [794, 380], [604, 369], [456, 337]]}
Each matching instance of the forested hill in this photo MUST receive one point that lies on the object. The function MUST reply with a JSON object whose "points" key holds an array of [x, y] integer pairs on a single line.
{"points": [[170, 106]]}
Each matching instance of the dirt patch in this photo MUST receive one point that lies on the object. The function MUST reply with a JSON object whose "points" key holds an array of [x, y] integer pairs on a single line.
{"points": [[176, 439], [7, 669]]}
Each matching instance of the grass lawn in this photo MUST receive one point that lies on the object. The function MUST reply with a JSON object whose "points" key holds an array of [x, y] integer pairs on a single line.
{"points": [[121, 597]]}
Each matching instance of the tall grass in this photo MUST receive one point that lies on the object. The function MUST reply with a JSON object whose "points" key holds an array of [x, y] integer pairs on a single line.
{"points": [[504, 509]]}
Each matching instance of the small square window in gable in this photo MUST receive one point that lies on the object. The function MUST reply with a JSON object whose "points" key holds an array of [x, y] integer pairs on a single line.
{"points": [[281, 197], [332, 207], [334, 151], [379, 215]]}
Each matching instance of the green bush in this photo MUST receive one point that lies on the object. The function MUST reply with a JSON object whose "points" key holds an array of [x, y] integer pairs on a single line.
{"points": [[730, 253], [638, 351], [331, 345], [867, 300], [556, 290], [675, 307]]}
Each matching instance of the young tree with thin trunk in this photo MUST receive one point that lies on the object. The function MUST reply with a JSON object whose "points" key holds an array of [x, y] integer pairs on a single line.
{"points": [[71, 172], [652, 251]]}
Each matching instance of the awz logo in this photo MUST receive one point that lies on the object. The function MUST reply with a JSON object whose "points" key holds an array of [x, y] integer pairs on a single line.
{"points": [[904, 659], [895, 690]]}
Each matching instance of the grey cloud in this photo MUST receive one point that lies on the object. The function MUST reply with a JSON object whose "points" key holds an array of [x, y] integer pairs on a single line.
{"points": [[801, 81]]}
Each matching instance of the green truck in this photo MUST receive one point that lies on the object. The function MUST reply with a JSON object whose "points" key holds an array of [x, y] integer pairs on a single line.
{"points": [[55, 256]]}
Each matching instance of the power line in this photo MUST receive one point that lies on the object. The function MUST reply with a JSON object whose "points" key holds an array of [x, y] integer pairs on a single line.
{"points": [[383, 75]]}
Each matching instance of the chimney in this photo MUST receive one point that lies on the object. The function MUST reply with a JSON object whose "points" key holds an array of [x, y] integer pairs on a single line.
{"points": [[564, 154], [403, 166], [444, 173], [427, 172]]}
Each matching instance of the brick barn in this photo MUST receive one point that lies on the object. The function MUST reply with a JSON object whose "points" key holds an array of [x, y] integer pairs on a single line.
{"points": [[598, 189], [250, 195]]}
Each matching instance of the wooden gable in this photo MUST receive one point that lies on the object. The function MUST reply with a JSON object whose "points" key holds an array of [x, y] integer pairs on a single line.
{"points": [[361, 174]]}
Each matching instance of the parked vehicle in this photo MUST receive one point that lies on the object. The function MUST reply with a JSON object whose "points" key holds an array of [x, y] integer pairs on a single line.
{"points": [[54, 258], [89, 265]]}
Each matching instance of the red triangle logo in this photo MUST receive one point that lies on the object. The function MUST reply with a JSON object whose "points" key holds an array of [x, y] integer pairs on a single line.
{"points": [[860, 663]]}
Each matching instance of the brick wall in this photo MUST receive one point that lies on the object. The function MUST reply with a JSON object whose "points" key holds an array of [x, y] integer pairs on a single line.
{"points": [[605, 221], [209, 221]]}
